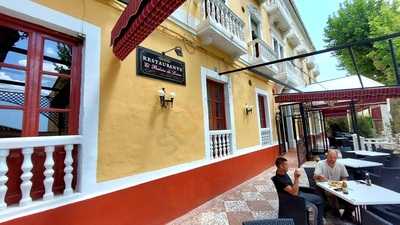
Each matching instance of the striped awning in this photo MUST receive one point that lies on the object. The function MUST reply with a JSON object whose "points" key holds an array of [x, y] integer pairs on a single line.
{"points": [[361, 95], [137, 21]]}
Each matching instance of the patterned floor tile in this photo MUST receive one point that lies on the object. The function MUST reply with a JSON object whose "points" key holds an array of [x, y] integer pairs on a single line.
{"points": [[236, 206], [251, 196], [264, 214], [212, 218], [237, 218], [259, 205]]}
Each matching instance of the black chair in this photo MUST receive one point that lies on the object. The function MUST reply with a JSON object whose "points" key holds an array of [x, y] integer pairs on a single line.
{"points": [[369, 218], [348, 155], [390, 178], [391, 213], [345, 148], [310, 175], [393, 161], [270, 222], [291, 206]]}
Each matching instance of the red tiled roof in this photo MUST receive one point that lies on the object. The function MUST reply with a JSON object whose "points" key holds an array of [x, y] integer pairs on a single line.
{"points": [[137, 21]]}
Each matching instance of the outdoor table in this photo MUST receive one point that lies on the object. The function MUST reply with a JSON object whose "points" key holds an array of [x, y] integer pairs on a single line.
{"points": [[369, 153], [358, 163], [361, 195]]}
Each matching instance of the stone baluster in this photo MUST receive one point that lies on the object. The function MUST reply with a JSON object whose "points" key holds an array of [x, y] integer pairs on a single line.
{"points": [[223, 139], [219, 145], [68, 169], [230, 23], [218, 12], [26, 176], [3, 177], [215, 146], [362, 141], [228, 144], [48, 173], [211, 147]]}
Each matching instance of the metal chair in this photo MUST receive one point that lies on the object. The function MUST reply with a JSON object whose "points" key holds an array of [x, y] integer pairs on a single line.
{"points": [[270, 222], [369, 218], [291, 206], [390, 178]]}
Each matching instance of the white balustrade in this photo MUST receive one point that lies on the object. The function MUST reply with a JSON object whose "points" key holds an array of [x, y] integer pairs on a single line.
{"points": [[368, 144], [217, 11], [266, 137], [29, 146], [220, 143], [265, 52], [3, 178], [48, 173]]}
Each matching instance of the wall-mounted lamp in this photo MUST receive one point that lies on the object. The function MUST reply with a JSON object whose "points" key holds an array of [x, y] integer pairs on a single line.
{"points": [[177, 49], [166, 100], [248, 109]]}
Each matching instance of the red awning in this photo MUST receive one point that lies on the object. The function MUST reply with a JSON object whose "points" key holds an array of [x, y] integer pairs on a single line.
{"points": [[365, 95], [137, 21]]}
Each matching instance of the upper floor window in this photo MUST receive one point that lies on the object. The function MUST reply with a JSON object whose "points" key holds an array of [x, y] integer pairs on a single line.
{"points": [[278, 48], [255, 29]]}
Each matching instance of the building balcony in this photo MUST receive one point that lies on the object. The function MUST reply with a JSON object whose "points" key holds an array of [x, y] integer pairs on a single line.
{"points": [[293, 38], [260, 52], [310, 63], [301, 49], [289, 73], [221, 28], [278, 15]]}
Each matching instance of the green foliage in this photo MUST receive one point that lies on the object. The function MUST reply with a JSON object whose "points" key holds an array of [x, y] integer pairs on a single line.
{"points": [[337, 124], [365, 126], [360, 19]]}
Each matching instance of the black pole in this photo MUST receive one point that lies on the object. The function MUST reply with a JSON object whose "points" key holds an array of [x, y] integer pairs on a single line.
{"points": [[396, 68], [354, 123], [353, 59], [325, 136], [339, 47], [304, 122]]}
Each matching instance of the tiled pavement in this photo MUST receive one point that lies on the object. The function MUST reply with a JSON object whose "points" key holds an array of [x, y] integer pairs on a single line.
{"points": [[254, 199]]}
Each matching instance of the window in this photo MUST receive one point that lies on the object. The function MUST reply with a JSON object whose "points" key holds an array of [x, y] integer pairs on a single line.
{"points": [[263, 110], [278, 48], [264, 119], [216, 105], [255, 29], [39, 81]]}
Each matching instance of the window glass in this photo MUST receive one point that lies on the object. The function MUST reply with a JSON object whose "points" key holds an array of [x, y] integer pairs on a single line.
{"points": [[10, 122], [13, 46], [55, 92], [57, 57], [53, 123], [12, 86]]}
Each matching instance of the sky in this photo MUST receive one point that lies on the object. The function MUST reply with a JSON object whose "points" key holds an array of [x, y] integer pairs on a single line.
{"points": [[314, 14]]}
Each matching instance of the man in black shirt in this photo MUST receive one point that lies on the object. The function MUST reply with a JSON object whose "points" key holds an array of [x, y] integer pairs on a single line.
{"points": [[283, 183]]}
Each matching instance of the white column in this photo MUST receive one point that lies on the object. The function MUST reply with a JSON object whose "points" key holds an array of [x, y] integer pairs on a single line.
{"points": [[48, 173], [68, 169], [3, 177], [215, 146], [228, 144], [26, 176]]}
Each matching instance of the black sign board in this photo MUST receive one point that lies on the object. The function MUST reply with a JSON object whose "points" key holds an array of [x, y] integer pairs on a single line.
{"points": [[155, 65]]}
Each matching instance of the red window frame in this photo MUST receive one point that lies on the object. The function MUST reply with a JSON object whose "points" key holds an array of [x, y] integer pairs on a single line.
{"points": [[262, 111], [33, 69], [216, 105]]}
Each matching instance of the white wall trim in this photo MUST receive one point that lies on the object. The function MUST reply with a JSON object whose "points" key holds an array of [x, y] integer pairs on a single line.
{"points": [[267, 97], [121, 183], [212, 75], [35, 13]]}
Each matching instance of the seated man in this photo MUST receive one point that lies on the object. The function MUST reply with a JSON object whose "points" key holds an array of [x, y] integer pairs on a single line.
{"points": [[283, 183], [329, 169]]}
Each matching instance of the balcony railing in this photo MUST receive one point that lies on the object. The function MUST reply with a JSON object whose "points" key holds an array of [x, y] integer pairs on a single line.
{"points": [[278, 14], [294, 74], [220, 143], [28, 146], [266, 136], [222, 28], [260, 52]]}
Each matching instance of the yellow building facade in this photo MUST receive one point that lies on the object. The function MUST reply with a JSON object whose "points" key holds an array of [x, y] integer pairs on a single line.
{"points": [[135, 136]]}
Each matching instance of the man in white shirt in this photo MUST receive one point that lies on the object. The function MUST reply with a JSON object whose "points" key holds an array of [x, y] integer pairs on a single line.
{"points": [[329, 169]]}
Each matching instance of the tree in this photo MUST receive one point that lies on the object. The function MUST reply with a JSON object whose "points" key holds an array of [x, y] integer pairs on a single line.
{"points": [[361, 19]]}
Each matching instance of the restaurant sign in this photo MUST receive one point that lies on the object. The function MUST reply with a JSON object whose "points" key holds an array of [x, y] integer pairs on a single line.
{"points": [[155, 65]]}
